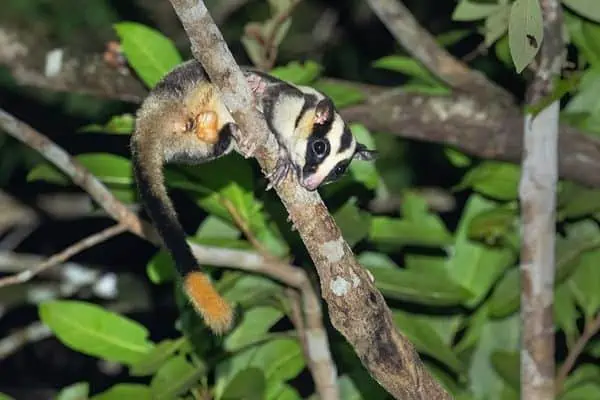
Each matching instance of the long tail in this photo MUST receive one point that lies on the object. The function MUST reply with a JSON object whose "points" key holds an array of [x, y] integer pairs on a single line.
{"points": [[148, 172]]}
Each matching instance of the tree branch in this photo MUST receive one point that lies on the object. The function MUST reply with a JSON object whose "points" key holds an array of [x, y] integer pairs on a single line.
{"points": [[64, 255], [357, 309], [422, 45], [537, 193]]}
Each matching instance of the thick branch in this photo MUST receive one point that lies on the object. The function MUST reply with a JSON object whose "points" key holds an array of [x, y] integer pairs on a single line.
{"points": [[477, 127], [357, 309], [537, 194], [422, 45]]}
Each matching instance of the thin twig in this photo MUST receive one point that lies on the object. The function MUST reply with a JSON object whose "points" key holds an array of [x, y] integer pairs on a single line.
{"points": [[537, 195], [591, 328], [356, 307], [422, 45], [316, 353], [62, 256]]}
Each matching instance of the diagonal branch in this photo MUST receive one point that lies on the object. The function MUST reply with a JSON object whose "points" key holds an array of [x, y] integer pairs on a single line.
{"points": [[422, 45], [357, 309]]}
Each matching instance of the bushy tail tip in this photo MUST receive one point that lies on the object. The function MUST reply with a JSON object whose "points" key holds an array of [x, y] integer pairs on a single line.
{"points": [[217, 313]]}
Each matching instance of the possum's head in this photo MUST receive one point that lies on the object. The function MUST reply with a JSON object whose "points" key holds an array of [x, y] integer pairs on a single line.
{"points": [[328, 147]]}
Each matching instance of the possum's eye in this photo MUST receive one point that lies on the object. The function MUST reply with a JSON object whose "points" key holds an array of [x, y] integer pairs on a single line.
{"points": [[320, 147]]}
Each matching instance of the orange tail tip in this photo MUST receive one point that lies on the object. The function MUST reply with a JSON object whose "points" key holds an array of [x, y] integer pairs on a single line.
{"points": [[217, 314]]}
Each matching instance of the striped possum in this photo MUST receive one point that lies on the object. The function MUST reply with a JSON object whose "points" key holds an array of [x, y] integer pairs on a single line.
{"points": [[183, 120]]}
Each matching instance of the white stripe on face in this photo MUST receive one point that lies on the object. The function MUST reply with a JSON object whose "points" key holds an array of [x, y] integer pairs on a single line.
{"points": [[334, 136]]}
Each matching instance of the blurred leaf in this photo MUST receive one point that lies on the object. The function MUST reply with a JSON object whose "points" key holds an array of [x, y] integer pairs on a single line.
{"points": [[474, 265], [161, 268], [495, 179], [94, 331], [76, 391], [125, 391], [452, 37], [119, 124], [492, 225], [407, 66], [282, 391], [418, 227], [247, 384], [364, 172], [251, 290], [484, 380], [5, 397], [496, 24], [469, 10], [581, 237], [576, 201], [348, 390], [525, 32], [565, 312], [175, 376], [474, 329], [582, 392], [457, 158], [278, 359], [507, 366], [298, 73], [585, 283], [424, 337], [342, 94], [255, 324], [151, 54], [431, 287], [506, 296], [353, 222], [586, 8], [215, 227], [155, 358], [583, 374]]}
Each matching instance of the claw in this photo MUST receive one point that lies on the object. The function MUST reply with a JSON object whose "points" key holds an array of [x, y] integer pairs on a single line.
{"points": [[280, 172], [244, 144]]}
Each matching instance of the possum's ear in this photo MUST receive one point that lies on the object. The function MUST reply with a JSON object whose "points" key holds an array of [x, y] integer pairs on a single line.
{"points": [[364, 154], [324, 111]]}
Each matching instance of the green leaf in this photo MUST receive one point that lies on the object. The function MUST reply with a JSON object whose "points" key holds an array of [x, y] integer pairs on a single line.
{"points": [[474, 265], [583, 374], [418, 227], [161, 268], [507, 366], [431, 287], [215, 227], [282, 391], [298, 73], [247, 384], [458, 159], [76, 391], [452, 37], [250, 290], [45, 171], [498, 180], [576, 201], [254, 326], [151, 54], [364, 172], [426, 340], [474, 329], [176, 376], [565, 312], [407, 66], [496, 25], [484, 380], [119, 125], [5, 397], [279, 360], [125, 391], [586, 8], [525, 32], [506, 296], [492, 225], [156, 358], [585, 283], [342, 94], [469, 10], [581, 237], [92, 330], [583, 392], [353, 222]]}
